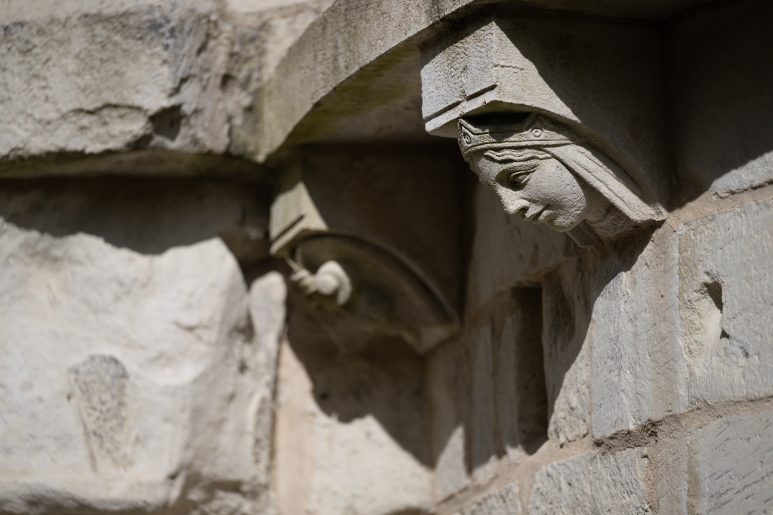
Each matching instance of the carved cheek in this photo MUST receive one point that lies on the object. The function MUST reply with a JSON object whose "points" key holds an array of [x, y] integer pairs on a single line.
{"points": [[554, 185], [562, 191]]}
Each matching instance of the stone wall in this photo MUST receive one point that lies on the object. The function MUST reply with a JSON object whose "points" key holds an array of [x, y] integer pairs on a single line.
{"points": [[656, 395], [159, 356], [138, 358], [141, 320]]}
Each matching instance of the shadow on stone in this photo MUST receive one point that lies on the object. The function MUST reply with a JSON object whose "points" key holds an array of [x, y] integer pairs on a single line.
{"points": [[383, 379], [145, 215]]}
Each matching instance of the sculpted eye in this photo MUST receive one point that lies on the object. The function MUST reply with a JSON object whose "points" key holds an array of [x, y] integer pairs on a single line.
{"points": [[517, 174], [519, 178]]}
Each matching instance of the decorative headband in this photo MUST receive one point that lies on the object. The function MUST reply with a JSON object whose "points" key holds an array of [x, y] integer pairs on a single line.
{"points": [[534, 131]]}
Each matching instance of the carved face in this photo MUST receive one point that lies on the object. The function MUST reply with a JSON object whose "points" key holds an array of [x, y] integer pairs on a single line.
{"points": [[535, 186]]}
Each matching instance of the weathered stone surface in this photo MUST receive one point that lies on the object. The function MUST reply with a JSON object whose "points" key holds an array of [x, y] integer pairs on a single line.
{"points": [[308, 77], [447, 394], [93, 77], [350, 435], [138, 385], [278, 23], [507, 252], [638, 366], [100, 77], [722, 132], [668, 472], [267, 298], [507, 415], [99, 388], [504, 501], [147, 215], [725, 298], [732, 465], [593, 484], [565, 312]]}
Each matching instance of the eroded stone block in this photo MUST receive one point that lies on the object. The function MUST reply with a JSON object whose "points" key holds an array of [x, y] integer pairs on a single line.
{"points": [[638, 365], [92, 77], [267, 298], [593, 484], [350, 436], [131, 380], [447, 377], [725, 298], [567, 355], [507, 415], [732, 466], [109, 76]]}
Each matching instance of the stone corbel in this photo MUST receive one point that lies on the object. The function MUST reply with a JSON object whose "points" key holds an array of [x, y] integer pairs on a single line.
{"points": [[562, 119], [364, 245]]}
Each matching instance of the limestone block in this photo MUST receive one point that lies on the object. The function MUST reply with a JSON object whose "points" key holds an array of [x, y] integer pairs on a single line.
{"points": [[504, 501], [507, 251], [725, 294], [281, 23], [593, 484], [96, 77], [92, 76], [609, 334], [147, 215], [668, 472], [638, 365], [507, 415], [333, 50], [732, 465], [130, 376], [350, 436], [267, 297], [565, 312], [447, 377], [722, 132]]}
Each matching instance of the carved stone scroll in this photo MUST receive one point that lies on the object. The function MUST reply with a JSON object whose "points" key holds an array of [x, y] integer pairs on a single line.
{"points": [[359, 230]]}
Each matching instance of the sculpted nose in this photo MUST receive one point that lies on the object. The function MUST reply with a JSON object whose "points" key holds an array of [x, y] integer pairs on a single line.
{"points": [[514, 205]]}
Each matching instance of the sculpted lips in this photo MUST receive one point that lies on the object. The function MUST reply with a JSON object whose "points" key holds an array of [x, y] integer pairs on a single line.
{"points": [[533, 212], [545, 216]]}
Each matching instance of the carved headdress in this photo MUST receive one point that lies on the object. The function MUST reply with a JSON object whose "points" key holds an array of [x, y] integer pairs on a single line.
{"points": [[537, 132]]}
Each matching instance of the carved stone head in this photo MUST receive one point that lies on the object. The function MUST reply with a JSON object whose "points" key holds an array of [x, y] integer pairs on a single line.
{"points": [[543, 174]]}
